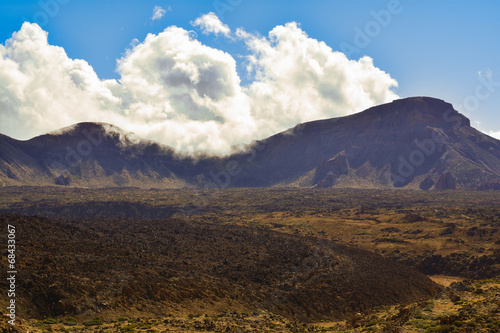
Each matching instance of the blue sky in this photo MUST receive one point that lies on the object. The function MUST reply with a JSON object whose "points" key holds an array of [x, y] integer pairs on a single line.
{"points": [[443, 49]]}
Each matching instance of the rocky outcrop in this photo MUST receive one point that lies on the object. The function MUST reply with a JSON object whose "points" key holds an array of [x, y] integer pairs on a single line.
{"points": [[490, 185], [328, 171], [446, 182]]}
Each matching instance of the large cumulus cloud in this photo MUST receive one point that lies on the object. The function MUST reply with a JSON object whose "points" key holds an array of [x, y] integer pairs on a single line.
{"points": [[176, 90], [42, 89], [300, 79]]}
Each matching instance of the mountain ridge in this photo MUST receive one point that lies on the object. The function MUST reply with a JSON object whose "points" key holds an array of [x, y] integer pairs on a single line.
{"points": [[417, 143]]}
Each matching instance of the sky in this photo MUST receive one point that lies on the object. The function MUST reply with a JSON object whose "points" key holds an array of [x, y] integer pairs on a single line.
{"points": [[212, 75]]}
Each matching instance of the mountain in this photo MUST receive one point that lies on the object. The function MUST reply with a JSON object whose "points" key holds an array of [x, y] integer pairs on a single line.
{"points": [[417, 143], [94, 155]]}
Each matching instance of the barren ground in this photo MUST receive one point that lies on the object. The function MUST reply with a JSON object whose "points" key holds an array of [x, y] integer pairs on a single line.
{"points": [[452, 236]]}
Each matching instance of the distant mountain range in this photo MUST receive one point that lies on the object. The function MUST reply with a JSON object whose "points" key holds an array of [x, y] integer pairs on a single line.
{"points": [[415, 143]]}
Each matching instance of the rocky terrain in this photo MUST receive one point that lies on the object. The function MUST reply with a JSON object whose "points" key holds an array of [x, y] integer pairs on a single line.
{"points": [[462, 307], [110, 266], [261, 260], [417, 143], [452, 233]]}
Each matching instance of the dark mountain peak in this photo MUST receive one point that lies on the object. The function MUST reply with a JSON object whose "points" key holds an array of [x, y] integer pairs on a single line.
{"points": [[93, 127], [93, 132], [416, 112], [400, 116], [85, 126]]}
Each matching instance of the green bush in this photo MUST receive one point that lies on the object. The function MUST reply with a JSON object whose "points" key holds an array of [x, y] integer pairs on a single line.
{"points": [[94, 322], [50, 321], [144, 326], [129, 328], [70, 321], [39, 324], [440, 329]]}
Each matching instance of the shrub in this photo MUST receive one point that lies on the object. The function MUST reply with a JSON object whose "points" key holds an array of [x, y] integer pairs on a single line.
{"points": [[39, 324], [439, 329], [129, 328], [94, 322], [50, 321], [418, 315], [70, 321]]}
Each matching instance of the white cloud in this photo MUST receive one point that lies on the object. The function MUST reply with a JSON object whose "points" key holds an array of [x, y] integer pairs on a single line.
{"points": [[301, 79], [159, 12], [494, 134], [486, 74], [42, 89], [190, 91], [182, 93], [210, 23]]}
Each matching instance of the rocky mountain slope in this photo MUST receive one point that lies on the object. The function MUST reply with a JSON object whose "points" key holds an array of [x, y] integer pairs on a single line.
{"points": [[414, 143], [418, 143]]}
